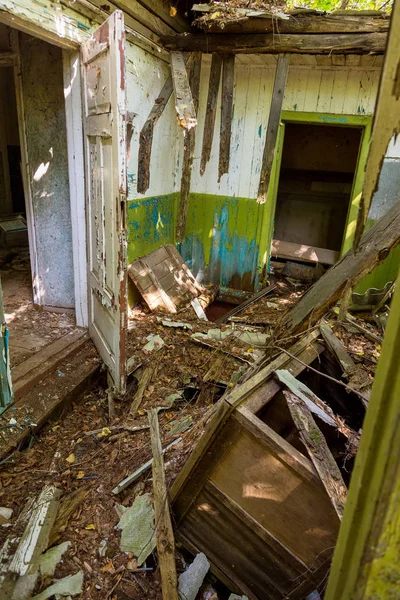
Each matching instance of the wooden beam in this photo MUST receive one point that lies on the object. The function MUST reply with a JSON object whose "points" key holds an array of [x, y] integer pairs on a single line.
{"points": [[319, 453], [162, 516], [209, 121], [270, 43], [303, 252], [383, 129], [228, 75], [184, 106], [274, 120], [162, 9], [374, 247], [188, 152]]}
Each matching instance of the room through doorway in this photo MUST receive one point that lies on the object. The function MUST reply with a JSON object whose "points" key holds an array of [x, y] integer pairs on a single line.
{"points": [[315, 185]]}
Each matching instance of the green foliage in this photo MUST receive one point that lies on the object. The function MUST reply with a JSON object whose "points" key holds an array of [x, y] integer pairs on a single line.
{"points": [[332, 5]]}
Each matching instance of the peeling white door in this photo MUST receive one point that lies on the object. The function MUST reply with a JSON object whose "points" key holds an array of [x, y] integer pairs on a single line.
{"points": [[103, 58]]}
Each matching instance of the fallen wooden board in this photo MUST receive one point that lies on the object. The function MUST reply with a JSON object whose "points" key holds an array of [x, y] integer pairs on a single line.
{"points": [[144, 381], [162, 517], [209, 122], [303, 252], [164, 280], [375, 246], [77, 375], [319, 452], [28, 373], [246, 303]]}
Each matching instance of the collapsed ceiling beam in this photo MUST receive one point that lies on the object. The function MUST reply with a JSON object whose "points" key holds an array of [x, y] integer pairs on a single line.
{"points": [[269, 43]]}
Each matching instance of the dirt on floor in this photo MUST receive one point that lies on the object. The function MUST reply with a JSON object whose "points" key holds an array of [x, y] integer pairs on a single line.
{"points": [[31, 329], [86, 455]]}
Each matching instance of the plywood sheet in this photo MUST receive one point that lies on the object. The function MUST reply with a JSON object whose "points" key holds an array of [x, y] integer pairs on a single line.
{"points": [[296, 512], [164, 280]]}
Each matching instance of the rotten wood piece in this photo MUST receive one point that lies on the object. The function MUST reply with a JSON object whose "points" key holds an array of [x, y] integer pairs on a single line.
{"points": [[212, 99], [319, 452], [274, 119], [68, 506], [228, 75], [270, 43], [134, 476], [184, 105], [164, 532], [144, 382], [146, 136], [188, 152], [262, 21], [368, 334], [245, 304], [374, 247]]}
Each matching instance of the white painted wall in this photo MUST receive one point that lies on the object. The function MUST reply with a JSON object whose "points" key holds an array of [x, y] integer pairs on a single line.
{"points": [[336, 91], [146, 75]]}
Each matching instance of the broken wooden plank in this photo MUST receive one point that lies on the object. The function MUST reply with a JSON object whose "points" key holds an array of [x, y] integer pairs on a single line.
{"points": [[368, 334], [375, 246], [341, 43], [274, 119], [35, 538], [26, 375], [318, 450], [336, 347], [146, 136], [68, 505], [144, 381], [246, 303], [312, 254], [228, 75], [164, 532], [184, 105], [188, 152], [134, 476], [209, 121]]}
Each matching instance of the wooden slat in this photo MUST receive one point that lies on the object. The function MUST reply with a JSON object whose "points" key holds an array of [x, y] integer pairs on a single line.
{"points": [[228, 75], [303, 252], [319, 452], [184, 105], [188, 153], [274, 119], [246, 303], [162, 517], [209, 121]]}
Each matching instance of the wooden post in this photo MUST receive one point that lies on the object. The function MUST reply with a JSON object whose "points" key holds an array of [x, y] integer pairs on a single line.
{"points": [[281, 74], [228, 74], [164, 532], [188, 153], [209, 122]]}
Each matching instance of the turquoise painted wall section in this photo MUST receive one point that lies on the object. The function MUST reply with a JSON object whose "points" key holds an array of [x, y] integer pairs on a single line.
{"points": [[151, 224], [221, 244]]}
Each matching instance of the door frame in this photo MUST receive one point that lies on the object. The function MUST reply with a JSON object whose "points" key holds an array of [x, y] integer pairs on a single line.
{"points": [[267, 224]]}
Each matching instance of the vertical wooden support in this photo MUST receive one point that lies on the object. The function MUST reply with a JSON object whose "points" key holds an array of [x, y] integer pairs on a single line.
{"points": [[164, 531], [184, 105], [146, 136], [281, 74], [209, 122], [228, 74], [188, 153]]}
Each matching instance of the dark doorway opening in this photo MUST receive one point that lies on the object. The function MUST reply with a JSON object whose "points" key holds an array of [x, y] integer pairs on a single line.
{"points": [[315, 184]]}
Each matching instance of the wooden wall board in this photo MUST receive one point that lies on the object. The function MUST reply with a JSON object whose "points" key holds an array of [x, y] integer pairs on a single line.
{"points": [[164, 280]]}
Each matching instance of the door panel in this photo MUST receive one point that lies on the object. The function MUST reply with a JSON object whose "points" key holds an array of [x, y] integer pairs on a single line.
{"points": [[103, 58]]}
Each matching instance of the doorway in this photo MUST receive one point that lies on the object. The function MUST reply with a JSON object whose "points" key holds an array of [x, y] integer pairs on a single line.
{"points": [[320, 177]]}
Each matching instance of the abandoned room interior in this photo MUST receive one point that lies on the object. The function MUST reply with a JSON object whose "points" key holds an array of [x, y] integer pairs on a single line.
{"points": [[199, 245]]}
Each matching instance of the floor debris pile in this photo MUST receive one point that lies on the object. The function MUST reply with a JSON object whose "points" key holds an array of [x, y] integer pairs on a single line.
{"points": [[223, 475]]}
